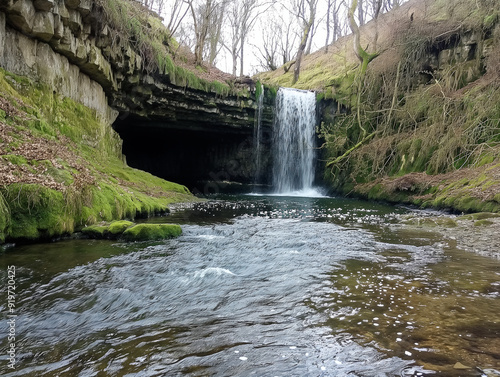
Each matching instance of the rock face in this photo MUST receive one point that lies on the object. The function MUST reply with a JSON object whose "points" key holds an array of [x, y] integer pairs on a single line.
{"points": [[58, 43]]}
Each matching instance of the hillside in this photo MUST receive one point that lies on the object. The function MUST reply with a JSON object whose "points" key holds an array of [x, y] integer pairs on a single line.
{"points": [[423, 125]]}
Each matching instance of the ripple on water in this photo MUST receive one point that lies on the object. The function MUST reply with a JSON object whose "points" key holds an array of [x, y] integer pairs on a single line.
{"points": [[273, 294]]}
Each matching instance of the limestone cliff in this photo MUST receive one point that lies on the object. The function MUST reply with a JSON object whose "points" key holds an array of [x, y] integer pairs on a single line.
{"points": [[69, 45]]}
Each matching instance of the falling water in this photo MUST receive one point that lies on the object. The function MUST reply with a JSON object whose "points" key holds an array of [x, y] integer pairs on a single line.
{"points": [[293, 148], [257, 137]]}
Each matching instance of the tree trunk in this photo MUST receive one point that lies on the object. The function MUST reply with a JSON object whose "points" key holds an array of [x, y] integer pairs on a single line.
{"points": [[328, 25], [361, 14], [300, 53], [305, 36], [242, 41]]}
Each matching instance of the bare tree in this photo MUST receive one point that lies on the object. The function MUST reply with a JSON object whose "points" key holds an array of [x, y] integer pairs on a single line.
{"points": [[334, 21], [215, 24], [305, 11], [270, 45], [278, 40], [242, 17], [177, 13], [288, 40], [201, 14], [361, 13]]}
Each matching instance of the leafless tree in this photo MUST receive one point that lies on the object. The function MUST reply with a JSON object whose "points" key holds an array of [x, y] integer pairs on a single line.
{"points": [[361, 13], [269, 47], [201, 12], [279, 40], [177, 12], [215, 24], [305, 11], [241, 18], [336, 10]]}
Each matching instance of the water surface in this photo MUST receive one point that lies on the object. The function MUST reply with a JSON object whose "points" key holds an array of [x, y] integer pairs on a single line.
{"points": [[262, 286]]}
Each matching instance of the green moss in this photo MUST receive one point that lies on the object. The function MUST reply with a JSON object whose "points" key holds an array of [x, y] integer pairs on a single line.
{"points": [[151, 232], [483, 223], [94, 183], [95, 231], [15, 159], [259, 89], [479, 216], [118, 227], [36, 212], [490, 20]]}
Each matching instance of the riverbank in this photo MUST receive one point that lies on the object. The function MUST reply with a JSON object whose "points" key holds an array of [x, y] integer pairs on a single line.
{"points": [[477, 233], [61, 167]]}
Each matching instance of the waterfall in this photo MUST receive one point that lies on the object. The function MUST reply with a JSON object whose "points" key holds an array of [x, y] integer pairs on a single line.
{"points": [[293, 141]]}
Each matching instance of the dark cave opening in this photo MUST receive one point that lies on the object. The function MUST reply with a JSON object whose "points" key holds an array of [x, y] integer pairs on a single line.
{"points": [[193, 157]]}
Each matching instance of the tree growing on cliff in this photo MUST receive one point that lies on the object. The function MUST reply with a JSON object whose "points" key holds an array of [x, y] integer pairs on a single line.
{"points": [[203, 13]]}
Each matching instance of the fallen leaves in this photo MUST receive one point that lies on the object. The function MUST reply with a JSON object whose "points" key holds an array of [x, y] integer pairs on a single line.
{"points": [[57, 152]]}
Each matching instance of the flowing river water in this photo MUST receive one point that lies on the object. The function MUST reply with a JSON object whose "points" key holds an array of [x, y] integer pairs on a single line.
{"points": [[257, 286]]}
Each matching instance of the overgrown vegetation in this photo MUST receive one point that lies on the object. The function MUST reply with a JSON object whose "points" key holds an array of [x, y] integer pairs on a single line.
{"points": [[429, 102], [61, 167], [129, 21]]}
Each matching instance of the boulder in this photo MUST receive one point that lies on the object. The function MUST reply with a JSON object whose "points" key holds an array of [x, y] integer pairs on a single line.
{"points": [[152, 232]]}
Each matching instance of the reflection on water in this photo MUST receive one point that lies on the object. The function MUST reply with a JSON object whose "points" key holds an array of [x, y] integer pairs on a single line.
{"points": [[264, 286]]}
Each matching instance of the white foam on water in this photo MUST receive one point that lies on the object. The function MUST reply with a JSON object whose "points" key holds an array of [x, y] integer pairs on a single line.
{"points": [[209, 236], [217, 271], [304, 193]]}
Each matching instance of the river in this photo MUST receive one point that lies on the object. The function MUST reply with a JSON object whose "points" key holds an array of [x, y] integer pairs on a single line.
{"points": [[257, 286]]}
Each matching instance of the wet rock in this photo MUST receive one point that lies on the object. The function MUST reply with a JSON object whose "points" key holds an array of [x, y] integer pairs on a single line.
{"points": [[491, 372]]}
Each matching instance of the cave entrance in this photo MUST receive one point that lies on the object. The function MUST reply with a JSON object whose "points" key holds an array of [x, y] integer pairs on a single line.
{"points": [[206, 161]]}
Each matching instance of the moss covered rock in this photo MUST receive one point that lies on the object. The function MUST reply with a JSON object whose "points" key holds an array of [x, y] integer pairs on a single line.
{"points": [[152, 232], [479, 216], [64, 169], [483, 223], [118, 227], [95, 231]]}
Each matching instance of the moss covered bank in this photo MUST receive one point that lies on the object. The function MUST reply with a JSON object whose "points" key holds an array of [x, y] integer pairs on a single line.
{"points": [[61, 167]]}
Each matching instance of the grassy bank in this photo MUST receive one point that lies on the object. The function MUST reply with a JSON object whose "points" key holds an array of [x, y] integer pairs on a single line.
{"points": [[61, 167], [423, 125]]}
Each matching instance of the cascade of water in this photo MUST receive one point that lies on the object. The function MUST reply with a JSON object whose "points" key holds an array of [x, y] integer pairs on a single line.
{"points": [[257, 136], [293, 141]]}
